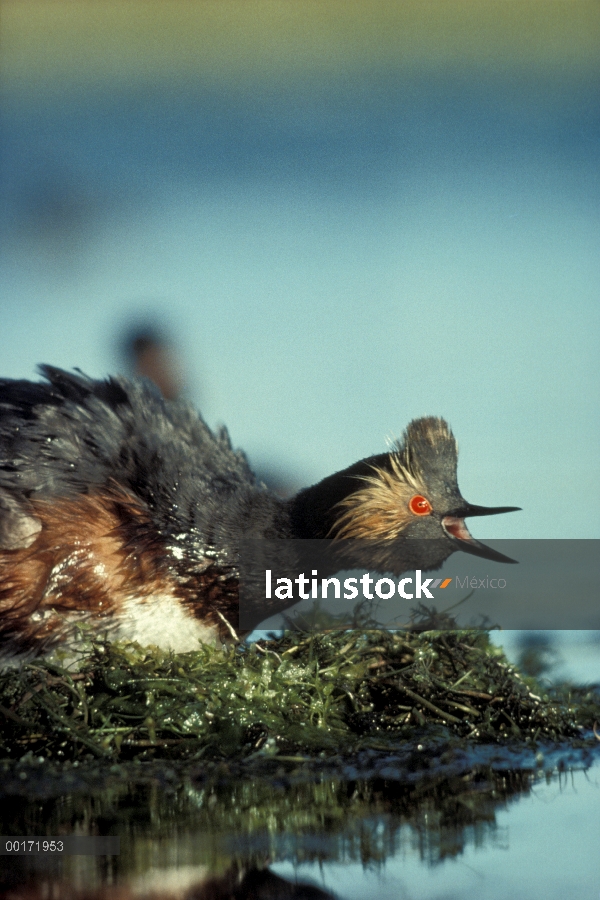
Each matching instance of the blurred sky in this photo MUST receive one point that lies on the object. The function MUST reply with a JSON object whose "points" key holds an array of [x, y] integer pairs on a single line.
{"points": [[346, 214]]}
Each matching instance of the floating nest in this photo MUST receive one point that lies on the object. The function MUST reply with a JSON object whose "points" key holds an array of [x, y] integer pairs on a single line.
{"points": [[289, 697]]}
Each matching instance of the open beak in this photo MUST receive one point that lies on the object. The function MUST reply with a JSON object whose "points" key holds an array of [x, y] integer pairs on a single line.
{"points": [[455, 528], [470, 510]]}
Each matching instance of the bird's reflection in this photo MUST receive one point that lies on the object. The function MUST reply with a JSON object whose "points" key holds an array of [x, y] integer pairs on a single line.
{"points": [[236, 884]]}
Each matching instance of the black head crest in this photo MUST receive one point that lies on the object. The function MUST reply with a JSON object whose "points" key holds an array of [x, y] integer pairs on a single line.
{"points": [[428, 451]]}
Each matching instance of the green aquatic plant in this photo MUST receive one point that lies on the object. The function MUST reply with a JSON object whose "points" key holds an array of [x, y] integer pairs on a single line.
{"points": [[296, 696]]}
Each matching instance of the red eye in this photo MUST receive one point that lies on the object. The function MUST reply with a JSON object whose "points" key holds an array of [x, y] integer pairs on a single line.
{"points": [[420, 506]]}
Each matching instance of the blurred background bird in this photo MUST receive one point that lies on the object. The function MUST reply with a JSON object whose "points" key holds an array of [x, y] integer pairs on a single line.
{"points": [[122, 508]]}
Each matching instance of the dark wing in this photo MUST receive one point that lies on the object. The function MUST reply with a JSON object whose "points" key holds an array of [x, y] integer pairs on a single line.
{"points": [[72, 434]]}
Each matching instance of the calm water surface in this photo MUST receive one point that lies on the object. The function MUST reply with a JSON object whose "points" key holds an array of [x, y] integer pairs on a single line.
{"points": [[477, 823], [544, 845]]}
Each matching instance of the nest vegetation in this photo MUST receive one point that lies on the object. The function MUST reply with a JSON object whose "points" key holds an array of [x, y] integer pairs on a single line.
{"points": [[293, 696]]}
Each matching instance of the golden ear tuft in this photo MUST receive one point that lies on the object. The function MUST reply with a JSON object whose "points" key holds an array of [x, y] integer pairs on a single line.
{"points": [[379, 510]]}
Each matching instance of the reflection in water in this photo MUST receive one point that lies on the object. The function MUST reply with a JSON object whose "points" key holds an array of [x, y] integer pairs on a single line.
{"points": [[178, 884], [212, 833]]}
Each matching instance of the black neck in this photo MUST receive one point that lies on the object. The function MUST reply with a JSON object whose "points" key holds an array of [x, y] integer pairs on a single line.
{"points": [[313, 511]]}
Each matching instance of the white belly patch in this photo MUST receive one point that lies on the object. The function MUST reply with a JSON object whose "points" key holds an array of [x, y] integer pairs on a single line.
{"points": [[162, 621]]}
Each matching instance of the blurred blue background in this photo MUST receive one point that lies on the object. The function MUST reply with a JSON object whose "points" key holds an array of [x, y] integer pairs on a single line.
{"points": [[343, 216]]}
